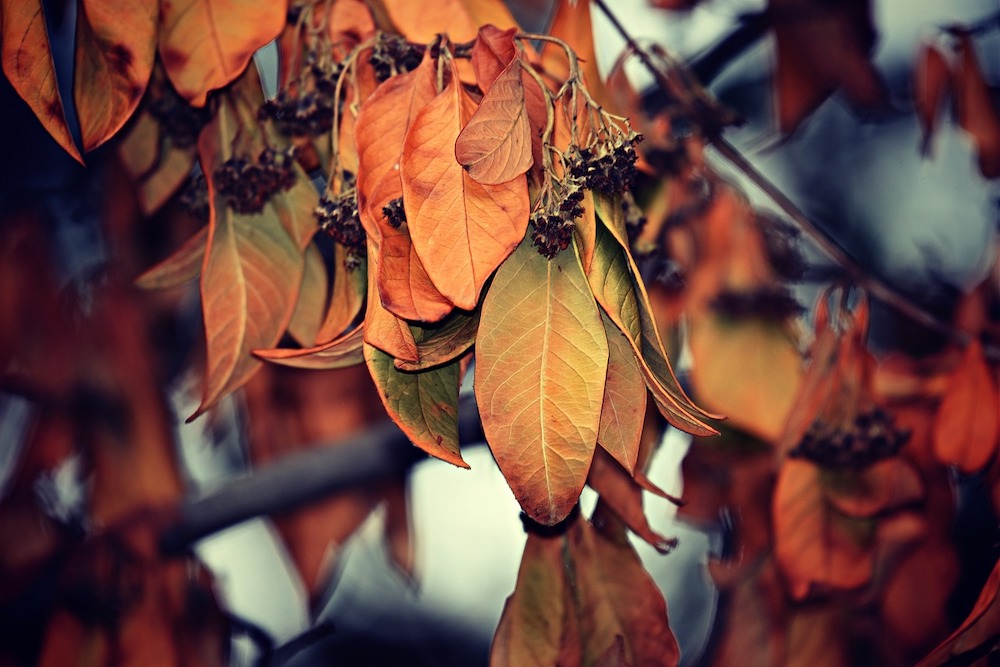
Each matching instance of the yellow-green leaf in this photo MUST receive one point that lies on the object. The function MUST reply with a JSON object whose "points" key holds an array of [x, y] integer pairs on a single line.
{"points": [[624, 406], [541, 361], [439, 344]]}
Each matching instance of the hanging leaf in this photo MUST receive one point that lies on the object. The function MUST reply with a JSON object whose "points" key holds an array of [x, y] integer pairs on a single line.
{"points": [[495, 145], [424, 404], [206, 44], [296, 206], [444, 342], [461, 229], [347, 294], [338, 353], [182, 266], [311, 304], [492, 51], [572, 24], [624, 406], [28, 65], [384, 330], [541, 361], [968, 423], [250, 279], [977, 112], [115, 50], [620, 492], [459, 19], [930, 86]]}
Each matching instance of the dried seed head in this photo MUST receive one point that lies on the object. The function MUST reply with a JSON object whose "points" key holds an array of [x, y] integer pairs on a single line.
{"points": [[248, 185], [394, 212], [770, 302], [871, 437], [338, 217]]}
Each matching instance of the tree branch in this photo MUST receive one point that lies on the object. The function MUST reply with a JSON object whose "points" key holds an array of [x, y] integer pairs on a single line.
{"points": [[298, 479]]}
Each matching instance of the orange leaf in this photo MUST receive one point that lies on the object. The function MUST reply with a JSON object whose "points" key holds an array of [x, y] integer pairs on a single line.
{"points": [[813, 545], [622, 494], [311, 304], [461, 229], [495, 145], [442, 342], [977, 632], [206, 44], [541, 361], [347, 294], [115, 50], [493, 50], [931, 82], [27, 62], [459, 19], [624, 406], [337, 353], [968, 422], [883, 487], [572, 24], [183, 265], [977, 112], [384, 330]]}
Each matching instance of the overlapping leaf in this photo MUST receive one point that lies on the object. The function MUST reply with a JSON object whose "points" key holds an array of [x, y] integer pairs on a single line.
{"points": [[967, 427]]}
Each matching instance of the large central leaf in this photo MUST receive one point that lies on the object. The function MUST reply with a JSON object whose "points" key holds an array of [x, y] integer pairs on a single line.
{"points": [[541, 361]]}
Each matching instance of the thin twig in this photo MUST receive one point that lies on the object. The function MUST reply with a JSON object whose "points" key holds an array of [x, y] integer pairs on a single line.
{"points": [[855, 270]]}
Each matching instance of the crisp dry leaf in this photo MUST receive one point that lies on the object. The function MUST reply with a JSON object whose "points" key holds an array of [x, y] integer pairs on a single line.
{"points": [[493, 50], [462, 230], [978, 633], [495, 144], [968, 421], [442, 343], [424, 404], [182, 266], [296, 206], [250, 279], [932, 79], [977, 112], [621, 493], [459, 19], [585, 231], [624, 406], [115, 50], [27, 63], [206, 44], [572, 24], [822, 47], [541, 362], [617, 596], [338, 353], [748, 369], [531, 630], [311, 305], [347, 295], [383, 329], [813, 545]]}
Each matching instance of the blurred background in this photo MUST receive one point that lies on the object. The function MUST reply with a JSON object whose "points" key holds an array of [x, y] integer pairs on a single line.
{"points": [[925, 225]]}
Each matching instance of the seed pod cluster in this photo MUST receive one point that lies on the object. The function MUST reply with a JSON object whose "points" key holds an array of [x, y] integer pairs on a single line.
{"points": [[782, 245], [248, 184], [194, 197], [607, 166], [306, 109], [553, 224], [871, 437], [178, 120], [395, 213], [770, 302], [338, 217], [392, 54], [654, 267]]}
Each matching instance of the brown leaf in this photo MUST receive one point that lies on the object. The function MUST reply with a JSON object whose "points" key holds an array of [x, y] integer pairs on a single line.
{"points": [[182, 266], [541, 362], [572, 24], [338, 353], [461, 229], [347, 295], [115, 50], [931, 80], [440, 344], [459, 19], [383, 329], [620, 492], [493, 50], [624, 406], [311, 304], [968, 422], [978, 632], [977, 112], [813, 546], [206, 44], [27, 63], [495, 144], [822, 47]]}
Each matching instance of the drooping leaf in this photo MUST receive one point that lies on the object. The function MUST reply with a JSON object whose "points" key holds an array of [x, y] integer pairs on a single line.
{"points": [[311, 305], [28, 65], [424, 404], [585, 231], [931, 80], [441, 343], [977, 635], [295, 207], [347, 295], [813, 545], [624, 406], [541, 362], [968, 422], [572, 24], [461, 229], [115, 50], [459, 19], [180, 267], [206, 44], [338, 353], [622, 494], [495, 144], [250, 278], [492, 51], [383, 329], [978, 113]]}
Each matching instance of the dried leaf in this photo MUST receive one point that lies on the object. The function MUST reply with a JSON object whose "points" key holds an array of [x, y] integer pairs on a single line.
{"points": [[338, 353], [384, 330], [311, 305], [461, 229], [347, 295], [977, 112], [493, 50], [932, 79], [27, 63], [572, 24], [495, 145], [968, 423], [459, 19], [585, 231], [541, 362], [206, 44], [624, 406], [440, 344], [115, 50], [424, 404], [622, 494], [182, 266]]}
